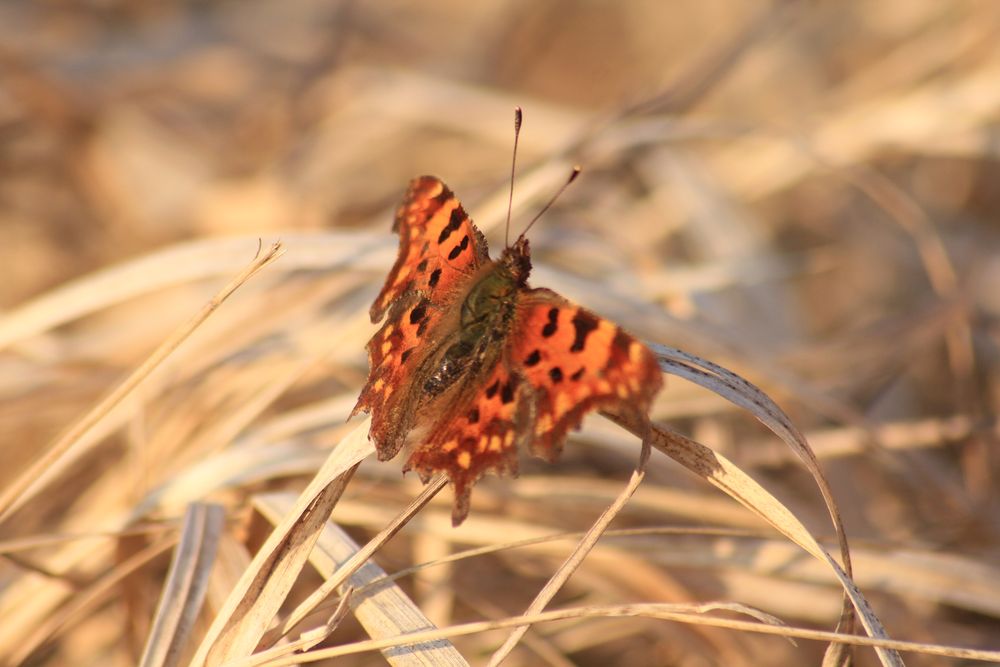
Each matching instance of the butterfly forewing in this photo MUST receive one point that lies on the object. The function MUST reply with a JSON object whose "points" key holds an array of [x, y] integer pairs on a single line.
{"points": [[438, 244], [573, 361]]}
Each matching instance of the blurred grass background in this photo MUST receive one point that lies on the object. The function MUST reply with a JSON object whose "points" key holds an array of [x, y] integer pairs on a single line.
{"points": [[805, 192]]}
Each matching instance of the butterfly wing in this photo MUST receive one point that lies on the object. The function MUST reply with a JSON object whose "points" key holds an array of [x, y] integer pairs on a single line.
{"points": [[438, 244], [573, 361], [439, 250], [560, 361], [479, 435]]}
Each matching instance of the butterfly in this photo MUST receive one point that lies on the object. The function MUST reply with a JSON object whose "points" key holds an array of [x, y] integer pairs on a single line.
{"points": [[472, 365]]}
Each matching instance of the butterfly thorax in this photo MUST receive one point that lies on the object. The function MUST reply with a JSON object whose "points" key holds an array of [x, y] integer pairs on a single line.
{"points": [[486, 315]]}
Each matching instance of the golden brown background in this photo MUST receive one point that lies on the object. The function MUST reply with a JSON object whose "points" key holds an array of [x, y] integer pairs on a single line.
{"points": [[805, 192]]}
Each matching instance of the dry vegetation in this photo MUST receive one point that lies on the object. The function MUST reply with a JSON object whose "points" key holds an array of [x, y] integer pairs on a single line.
{"points": [[803, 192]]}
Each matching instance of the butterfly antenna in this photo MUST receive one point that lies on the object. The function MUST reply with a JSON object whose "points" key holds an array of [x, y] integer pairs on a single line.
{"points": [[518, 117], [572, 177]]}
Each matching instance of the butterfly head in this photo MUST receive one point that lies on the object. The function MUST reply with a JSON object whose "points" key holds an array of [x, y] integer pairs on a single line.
{"points": [[516, 261]]}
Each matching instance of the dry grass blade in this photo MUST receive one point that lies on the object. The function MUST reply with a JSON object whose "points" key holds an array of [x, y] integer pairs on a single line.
{"points": [[178, 264], [678, 613], [358, 559], [309, 638], [803, 192], [382, 608], [960, 583], [10, 547], [723, 474], [62, 452], [739, 391], [240, 624], [186, 584], [507, 546], [87, 601], [905, 435], [575, 559]]}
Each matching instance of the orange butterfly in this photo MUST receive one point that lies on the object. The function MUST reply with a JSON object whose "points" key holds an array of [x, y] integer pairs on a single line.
{"points": [[472, 363]]}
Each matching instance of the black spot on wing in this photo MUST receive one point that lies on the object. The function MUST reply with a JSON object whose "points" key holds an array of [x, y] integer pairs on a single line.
{"points": [[454, 222], [550, 327], [418, 313], [422, 266], [533, 358], [492, 390], [474, 416], [556, 374], [507, 393], [457, 250], [577, 375], [435, 277], [583, 324], [406, 355]]}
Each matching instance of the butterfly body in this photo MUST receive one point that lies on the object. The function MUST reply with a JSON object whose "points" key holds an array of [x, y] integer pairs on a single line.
{"points": [[486, 313], [472, 363]]}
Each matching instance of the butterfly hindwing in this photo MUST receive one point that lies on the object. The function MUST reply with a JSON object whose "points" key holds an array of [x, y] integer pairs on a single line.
{"points": [[479, 435]]}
